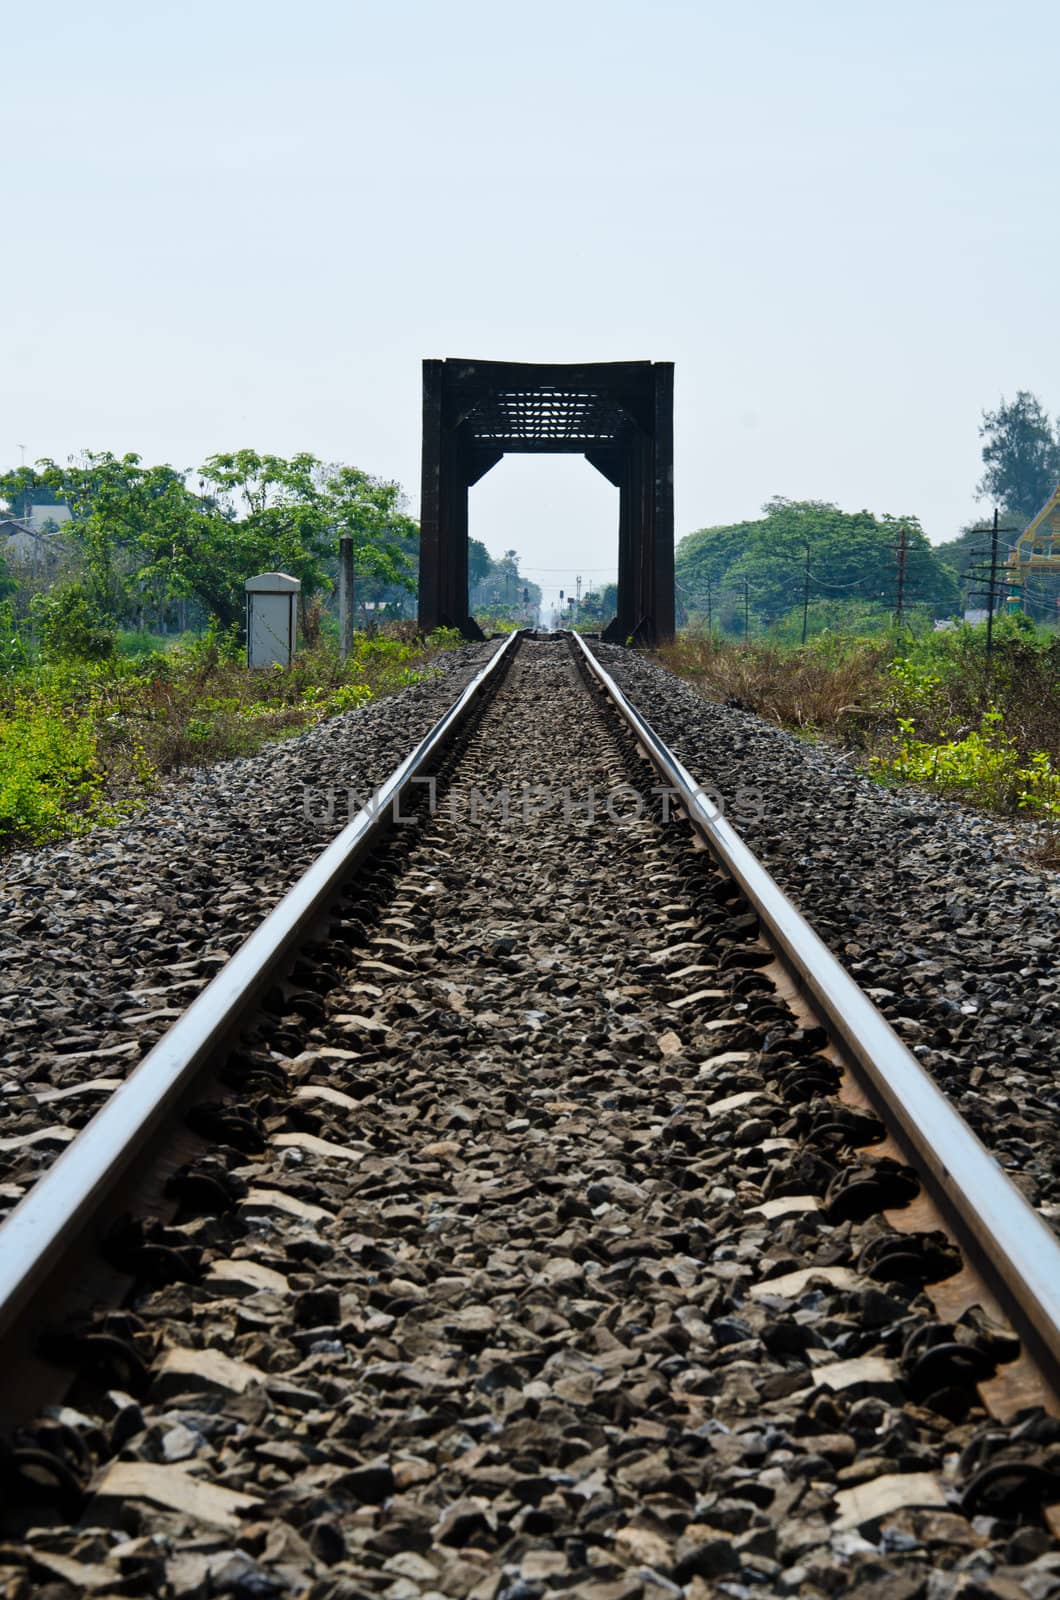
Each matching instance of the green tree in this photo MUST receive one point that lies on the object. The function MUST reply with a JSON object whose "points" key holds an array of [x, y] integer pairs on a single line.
{"points": [[845, 556], [289, 514], [145, 540], [479, 562], [1021, 455], [600, 605], [22, 488], [499, 591], [119, 511]]}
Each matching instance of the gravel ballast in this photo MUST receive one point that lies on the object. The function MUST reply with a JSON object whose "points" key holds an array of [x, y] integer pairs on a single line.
{"points": [[108, 937], [534, 1254], [928, 905]]}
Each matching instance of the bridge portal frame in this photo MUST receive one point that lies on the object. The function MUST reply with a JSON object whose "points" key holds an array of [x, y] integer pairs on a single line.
{"points": [[618, 414]]}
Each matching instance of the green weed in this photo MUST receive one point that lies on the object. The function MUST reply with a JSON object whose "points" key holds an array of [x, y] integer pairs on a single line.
{"points": [[85, 737], [930, 708], [51, 778]]}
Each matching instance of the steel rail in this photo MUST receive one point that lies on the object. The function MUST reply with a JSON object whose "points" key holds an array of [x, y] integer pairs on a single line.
{"points": [[61, 1204], [1017, 1248]]}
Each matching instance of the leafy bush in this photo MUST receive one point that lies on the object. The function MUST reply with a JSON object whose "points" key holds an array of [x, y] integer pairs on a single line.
{"points": [[70, 626], [139, 642], [983, 766], [51, 778], [444, 639], [85, 738], [14, 656], [930, 709], [347, 698]]}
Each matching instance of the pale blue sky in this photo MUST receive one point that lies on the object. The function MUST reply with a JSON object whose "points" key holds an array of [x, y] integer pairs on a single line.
{"points": [[239, 224]]}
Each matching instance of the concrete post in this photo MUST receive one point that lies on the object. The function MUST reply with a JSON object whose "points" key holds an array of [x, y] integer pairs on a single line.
{"points": [[345, 596]]}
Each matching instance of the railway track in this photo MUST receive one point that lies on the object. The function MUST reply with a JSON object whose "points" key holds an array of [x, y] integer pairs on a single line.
{"points": [[532, 1204]]}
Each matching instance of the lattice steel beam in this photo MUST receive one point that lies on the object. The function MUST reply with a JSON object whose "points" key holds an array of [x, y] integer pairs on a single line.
{"points": [[618, 414]]}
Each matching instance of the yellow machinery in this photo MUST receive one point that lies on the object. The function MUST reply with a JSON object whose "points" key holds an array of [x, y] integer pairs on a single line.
{"points": [[1037, 549]]}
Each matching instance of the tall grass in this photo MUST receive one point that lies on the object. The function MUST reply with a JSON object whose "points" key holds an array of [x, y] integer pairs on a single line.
{"points": [[933, 710], [820, 686]]}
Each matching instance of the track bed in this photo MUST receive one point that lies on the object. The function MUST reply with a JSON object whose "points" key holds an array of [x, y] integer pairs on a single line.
{"points": [[542, 1250]]}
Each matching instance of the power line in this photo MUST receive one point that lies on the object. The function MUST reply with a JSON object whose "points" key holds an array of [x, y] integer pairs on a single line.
{"points": [[855, 583]]}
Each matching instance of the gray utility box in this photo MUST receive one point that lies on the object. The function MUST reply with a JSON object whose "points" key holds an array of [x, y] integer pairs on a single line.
{"points": [[272, 619]]}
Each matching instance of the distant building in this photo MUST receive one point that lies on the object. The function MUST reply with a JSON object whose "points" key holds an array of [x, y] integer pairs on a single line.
{"points": [[1037, 549], [46, 519], [33, 540], [18, 542]]}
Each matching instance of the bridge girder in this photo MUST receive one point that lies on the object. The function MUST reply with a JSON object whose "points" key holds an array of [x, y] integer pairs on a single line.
{"points": [[619, 415]]}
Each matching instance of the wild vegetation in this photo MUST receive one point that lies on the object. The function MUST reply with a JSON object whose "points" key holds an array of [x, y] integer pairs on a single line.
{"points": [[120, 652], [86, 734], [825, 622], [929, 708]]}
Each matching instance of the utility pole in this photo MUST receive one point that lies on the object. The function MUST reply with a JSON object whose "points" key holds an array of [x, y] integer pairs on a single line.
{"points": [[989, 571], [345, 596], [578, 600], [746, 611], [710, 612], [806, 595], [902, 550], [992, 590]]}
